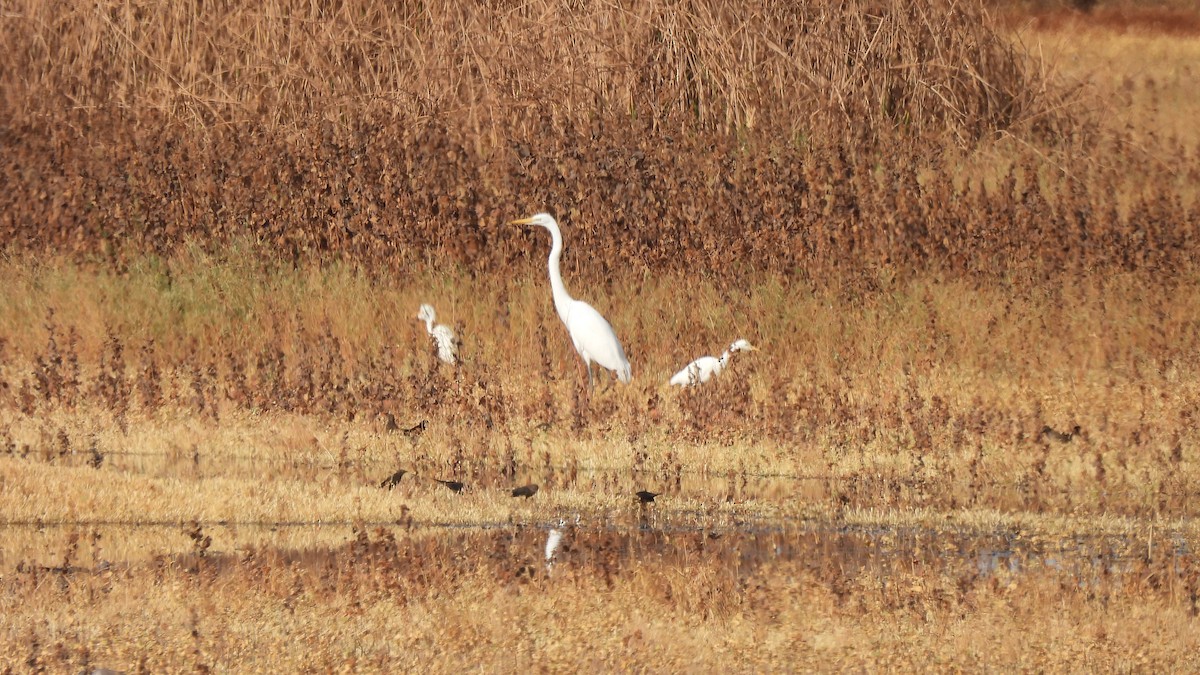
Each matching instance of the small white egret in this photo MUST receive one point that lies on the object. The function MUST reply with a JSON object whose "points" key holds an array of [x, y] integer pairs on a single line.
{"points": [[590, 332], [555, 537], [705, 368], [553, 540], [445, 339]]}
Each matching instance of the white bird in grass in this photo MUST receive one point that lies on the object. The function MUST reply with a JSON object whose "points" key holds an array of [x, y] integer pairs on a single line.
{"points": [[555, 537], [591, 333], [705, 368], [552, 542], [445, 339]]}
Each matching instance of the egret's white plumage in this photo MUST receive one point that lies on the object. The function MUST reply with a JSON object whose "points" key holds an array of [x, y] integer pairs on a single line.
{"points": [[445, 339], [590, 332], [552, 542], [705, 368], [555, 537]]}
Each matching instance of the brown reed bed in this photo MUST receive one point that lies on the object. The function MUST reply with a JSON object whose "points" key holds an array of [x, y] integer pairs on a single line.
{"points": [[670, 138], [968, 439]]}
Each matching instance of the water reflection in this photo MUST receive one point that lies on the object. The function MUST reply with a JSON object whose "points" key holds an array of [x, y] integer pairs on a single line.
{"points": [[1088, 560]]}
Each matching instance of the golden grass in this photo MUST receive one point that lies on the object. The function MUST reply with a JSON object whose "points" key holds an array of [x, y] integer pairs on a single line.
{"points": [[193, 432], [276, 469], [1144, 83], [919, 382], [916, 408]]}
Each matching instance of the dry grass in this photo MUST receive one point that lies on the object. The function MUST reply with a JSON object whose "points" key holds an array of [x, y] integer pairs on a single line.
{"points": [[703, 64], [1144, 83], [213, 256], [804, 142], [906, 422]]}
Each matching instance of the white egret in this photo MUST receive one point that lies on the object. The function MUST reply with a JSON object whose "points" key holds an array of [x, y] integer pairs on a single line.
{"points": [[555, 537], [705, 368], [445, 339], [552, 542], [590, 332]]}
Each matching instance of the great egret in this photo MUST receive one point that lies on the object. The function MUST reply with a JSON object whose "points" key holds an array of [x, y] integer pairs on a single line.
{"points": [[705, 368], [555, 537], [553, 540], [525, 491], [445, 339], [590, 332], [646, 496]]}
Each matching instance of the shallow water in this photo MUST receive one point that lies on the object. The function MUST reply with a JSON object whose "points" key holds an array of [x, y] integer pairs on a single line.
{"points": [[1085, 560], [669, 530]]}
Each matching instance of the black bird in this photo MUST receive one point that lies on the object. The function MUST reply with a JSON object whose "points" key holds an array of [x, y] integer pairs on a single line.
{"points": [[525, 491], [454, 485], [416, 430], [393, 480], [646, 496], [1055, 435]]}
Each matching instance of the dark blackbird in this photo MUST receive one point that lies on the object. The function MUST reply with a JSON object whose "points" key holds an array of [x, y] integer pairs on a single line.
{"points": [[525, 491], [415, 430], [393, 480], [1055, 435], [646, 496], [454, 485]]}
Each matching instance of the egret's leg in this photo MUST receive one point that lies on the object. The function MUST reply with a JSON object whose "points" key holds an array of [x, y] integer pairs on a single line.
{"points": [[589, 369]]}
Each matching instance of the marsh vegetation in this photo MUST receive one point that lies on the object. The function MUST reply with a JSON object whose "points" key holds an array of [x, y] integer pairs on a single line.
{"points": [[961, 237]]}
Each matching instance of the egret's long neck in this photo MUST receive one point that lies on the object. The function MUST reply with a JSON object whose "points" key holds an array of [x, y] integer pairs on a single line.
{"points": [[725, 358], [562, 300], [429, 324]]}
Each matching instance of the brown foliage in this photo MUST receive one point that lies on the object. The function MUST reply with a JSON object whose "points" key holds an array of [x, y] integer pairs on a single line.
{"points": [[1161, 17], [702, 136]]}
